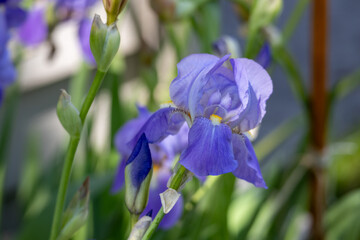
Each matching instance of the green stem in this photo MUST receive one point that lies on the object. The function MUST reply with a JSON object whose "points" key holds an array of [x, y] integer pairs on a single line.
{"points": [[10, 106], [74, 142], [175, 184], [134, 219]]}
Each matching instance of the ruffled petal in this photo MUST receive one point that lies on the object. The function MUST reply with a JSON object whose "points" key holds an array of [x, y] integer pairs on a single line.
{"points": [[162, 123], [186, 89], [34, 30], [252, 80], [158, 186], [210, 150], [248, 167]]}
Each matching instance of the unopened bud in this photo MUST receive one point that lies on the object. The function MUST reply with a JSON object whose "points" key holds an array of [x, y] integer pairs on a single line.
{"points": [[113, 8], [104, 43], [172, 10], [76, 214], [140, 228], [138, 173], [68, 115], [264, 12], [226, 45]]}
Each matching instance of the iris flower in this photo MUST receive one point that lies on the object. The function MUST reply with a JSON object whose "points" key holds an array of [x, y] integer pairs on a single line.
{"points": [[162, 153], [220, 105]]}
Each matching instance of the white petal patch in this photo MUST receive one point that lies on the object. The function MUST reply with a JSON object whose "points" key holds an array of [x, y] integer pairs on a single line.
{"points": [[169, 199]]}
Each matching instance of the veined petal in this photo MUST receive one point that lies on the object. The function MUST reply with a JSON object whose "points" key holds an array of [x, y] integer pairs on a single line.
{"points": [[248, 167], [248, 74], [249, 117], [163, 122], [186, 89], [209, 151]]}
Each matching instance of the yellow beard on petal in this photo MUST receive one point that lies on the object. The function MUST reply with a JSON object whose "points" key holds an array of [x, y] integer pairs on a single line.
{"points": [[215, 119]]}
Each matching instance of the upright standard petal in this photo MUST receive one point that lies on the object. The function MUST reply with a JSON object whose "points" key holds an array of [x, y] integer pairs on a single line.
{"points": [[264, 56], [158, 186], [210, 150], [34, 30], [248, 167], [248, 71], [194, 71], [162, 123]]}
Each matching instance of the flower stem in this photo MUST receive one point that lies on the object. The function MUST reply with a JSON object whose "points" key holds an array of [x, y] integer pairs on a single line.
{"points": [[174, 184], [74, 142]]}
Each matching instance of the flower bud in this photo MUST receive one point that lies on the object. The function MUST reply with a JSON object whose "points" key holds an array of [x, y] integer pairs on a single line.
{"points": [[140, 227], [104, 43], [264, 13], [68, 115], [138, 173], [76, 214], [226, 45], [113, 8]]}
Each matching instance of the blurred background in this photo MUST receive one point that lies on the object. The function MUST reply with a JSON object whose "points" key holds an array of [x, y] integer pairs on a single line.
{"points": [[154, 37]]}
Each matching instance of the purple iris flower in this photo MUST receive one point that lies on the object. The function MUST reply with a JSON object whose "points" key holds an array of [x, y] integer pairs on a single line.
{"points": [[264, 56], [220, 105], [34, 30], [162, 153]]}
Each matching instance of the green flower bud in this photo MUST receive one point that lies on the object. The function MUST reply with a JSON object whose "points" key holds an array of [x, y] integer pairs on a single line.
{"points": [[113, 8], [138, 173], [68, 115], [104, 43], [76, 214], [264, 12]]}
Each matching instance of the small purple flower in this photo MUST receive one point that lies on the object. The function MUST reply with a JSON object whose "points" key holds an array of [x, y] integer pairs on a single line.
{"points": [[34, 30], [163, 154], [220, 105]]}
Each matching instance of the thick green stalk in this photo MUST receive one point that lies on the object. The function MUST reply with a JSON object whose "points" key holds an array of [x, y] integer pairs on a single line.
{"points": [[74, 142], [175, 184]]}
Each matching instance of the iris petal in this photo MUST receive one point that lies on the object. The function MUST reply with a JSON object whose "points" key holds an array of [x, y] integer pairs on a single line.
{"points": [[248, 167], [249, 74], [209, 151], [119, 179], [194, 71], [162, 123]]}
